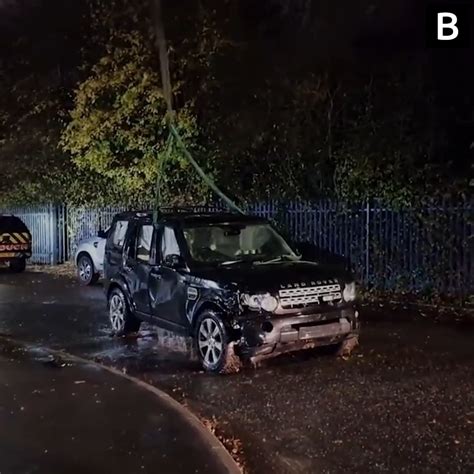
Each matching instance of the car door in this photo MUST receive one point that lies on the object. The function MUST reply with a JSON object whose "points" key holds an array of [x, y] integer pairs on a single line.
{"points": [[167, 286], [145, 241], [136, 264], [114, 248]]}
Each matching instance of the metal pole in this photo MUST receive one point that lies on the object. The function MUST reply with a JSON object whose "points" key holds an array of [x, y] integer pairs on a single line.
{"points": [[367, 241], [52, 235], [170, 115]]}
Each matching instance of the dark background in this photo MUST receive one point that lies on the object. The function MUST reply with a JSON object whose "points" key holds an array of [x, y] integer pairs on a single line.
{"points": [[377, 50]]}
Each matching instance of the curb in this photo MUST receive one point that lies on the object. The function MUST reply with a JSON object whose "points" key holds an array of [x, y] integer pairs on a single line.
{"points": [[216, 447]]}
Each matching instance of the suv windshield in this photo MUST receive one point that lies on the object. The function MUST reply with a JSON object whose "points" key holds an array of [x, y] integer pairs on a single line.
{"points": [[232, 243]]}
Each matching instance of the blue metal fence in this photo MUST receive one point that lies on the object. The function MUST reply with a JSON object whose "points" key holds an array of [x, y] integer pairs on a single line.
{"points": [[430, 247], [426, 248], [47, 226]]}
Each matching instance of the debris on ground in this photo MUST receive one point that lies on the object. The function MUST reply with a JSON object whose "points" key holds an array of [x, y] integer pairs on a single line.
{"points": [[233, 445], [55, 362]]}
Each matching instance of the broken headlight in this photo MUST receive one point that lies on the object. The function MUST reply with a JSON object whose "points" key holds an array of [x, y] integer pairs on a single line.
{"points": [[349, 293], [257, 302]]}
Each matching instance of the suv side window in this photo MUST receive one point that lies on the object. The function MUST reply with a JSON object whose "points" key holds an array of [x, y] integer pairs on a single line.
{"points": [[169, 244], [144, 240], [120, 232]]}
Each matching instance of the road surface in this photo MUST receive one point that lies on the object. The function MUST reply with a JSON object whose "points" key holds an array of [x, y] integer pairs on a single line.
{"points": [[403, 403]]}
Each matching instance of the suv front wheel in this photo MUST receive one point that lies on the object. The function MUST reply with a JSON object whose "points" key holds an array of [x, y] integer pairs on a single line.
{"points": [[86, 271], [213, 345], [122, 320]]}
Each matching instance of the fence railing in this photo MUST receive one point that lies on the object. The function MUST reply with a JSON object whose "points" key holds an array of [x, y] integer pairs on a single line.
{"points": [[430, 247], [47, 225]]}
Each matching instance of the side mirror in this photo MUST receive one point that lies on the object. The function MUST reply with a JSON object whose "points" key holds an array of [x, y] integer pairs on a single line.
{"points": [[307, 251], [102, 234], [176, 262], [296, 250]]}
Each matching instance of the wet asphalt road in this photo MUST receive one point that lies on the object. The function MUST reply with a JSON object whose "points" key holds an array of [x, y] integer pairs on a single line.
{"points": [[403, 403], [81, 419]]}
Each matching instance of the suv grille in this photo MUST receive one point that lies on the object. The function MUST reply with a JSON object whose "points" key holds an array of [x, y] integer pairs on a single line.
{"points": [[300, 297]]}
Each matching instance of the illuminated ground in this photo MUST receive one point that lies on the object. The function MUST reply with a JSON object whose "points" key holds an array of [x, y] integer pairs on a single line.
{"points": [[403, 403]]}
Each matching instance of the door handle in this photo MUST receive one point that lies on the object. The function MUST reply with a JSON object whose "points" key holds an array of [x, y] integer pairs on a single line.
{"points": [[156, 277]]}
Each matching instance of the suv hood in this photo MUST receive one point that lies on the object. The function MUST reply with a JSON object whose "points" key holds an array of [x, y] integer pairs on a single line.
{"points": [[272, 276]]}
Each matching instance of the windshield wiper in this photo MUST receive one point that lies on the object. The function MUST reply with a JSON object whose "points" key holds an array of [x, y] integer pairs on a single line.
{"points": [[231, 262], [288, 258]]}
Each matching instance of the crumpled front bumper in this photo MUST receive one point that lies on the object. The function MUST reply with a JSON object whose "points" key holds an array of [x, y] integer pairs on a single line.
{"points": [[266, 337]]}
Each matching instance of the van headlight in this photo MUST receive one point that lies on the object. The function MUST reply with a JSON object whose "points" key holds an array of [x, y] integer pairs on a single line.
{"points": [[349, 293], [265, 301]]}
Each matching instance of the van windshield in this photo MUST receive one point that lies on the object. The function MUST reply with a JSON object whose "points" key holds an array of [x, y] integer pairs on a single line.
{"points": [[231, 243]]}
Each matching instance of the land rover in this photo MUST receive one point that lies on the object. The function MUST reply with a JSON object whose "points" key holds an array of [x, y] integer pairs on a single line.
{"points": [[229, 281]]}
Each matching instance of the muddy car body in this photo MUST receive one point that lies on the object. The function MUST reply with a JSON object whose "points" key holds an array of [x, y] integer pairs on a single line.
{"points": [[229, 281], [15, 243]]}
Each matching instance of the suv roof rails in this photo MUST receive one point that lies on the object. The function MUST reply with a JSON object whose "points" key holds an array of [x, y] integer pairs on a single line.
{"points": [[181, 209], [184, 212], [191, 209]]}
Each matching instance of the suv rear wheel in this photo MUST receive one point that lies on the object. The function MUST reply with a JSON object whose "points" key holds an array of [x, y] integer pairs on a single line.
{"points": [[86, 271], [122, 320], [213, 346]]}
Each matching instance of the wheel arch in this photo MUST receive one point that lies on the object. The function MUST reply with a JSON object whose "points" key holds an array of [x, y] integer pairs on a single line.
{"points": [[84, 253], [122, 286], [205, 305]]}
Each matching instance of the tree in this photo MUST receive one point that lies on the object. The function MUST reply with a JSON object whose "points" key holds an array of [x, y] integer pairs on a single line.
{"points": [[266, 107], [36, 87], [118, 129]]}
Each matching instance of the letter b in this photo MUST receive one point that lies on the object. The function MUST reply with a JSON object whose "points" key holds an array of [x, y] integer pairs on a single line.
{"points": [[447, 23]]}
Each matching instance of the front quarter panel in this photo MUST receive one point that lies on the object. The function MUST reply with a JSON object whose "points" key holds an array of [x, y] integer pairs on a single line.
{"points": [[203, 293], [95, 248]]}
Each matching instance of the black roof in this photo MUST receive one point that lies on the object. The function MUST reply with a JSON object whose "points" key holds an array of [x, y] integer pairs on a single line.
{"points": [[10, 223], [189, 217]]}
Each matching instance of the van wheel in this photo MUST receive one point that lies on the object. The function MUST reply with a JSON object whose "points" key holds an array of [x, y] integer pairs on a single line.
{"points": [[213, 345], [86, 271], [18, 265], [122, 320]]}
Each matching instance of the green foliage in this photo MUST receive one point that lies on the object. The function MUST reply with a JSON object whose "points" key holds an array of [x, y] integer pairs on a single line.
{"points": [[118, 127], [263, 118], [32, 166]]}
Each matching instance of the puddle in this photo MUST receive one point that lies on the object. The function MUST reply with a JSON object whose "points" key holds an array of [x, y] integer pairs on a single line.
{"points": [[152, 351]]}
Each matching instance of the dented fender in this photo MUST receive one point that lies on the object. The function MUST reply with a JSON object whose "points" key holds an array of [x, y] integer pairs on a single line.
{"points": [[203, 294]]}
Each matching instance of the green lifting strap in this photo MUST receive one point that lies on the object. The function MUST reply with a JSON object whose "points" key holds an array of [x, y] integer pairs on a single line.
{"points": [[174, 134], [161, 166], [210, 183]]}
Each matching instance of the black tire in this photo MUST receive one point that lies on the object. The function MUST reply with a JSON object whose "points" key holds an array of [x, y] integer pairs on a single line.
{"points": [[86, 271], [217, 356], [121, 318], [18, 265]]}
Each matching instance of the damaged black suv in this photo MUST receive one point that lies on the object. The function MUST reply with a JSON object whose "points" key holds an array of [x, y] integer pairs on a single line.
{"points": [[231, 282]]}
